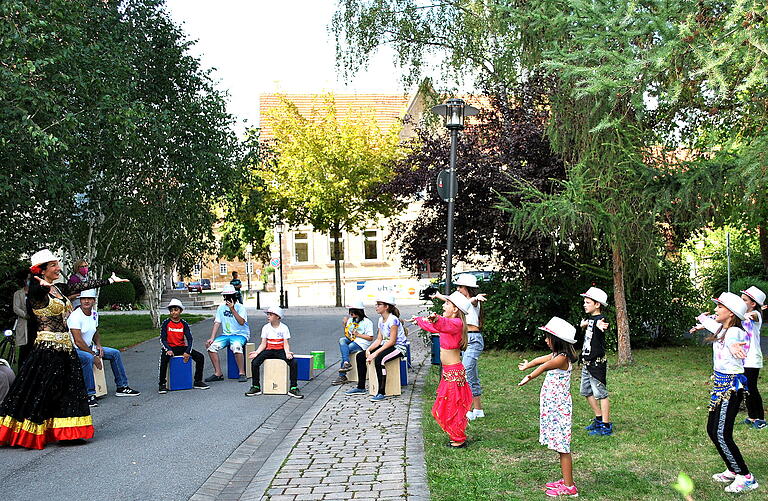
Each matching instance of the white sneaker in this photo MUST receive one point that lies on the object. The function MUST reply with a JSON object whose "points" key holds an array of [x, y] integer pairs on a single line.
{"points": [[479, 413], [742, 484], [726, 477], [471, 415]]}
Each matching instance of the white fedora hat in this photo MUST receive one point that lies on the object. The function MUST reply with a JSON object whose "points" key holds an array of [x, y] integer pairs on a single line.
{"points": [[733, 303], [461, 302], [356, 304], [466, 279], [596, 294], [560, 328], [175, 302], [42, 257], [756, 294], [383, 297], [228, 290], [89, 293], [275, 310]]}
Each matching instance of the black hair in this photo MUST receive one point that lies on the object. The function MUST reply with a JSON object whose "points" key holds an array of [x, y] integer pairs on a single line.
{"points": [[560, 346], [234, 273], [231, 297], [360, 313]]}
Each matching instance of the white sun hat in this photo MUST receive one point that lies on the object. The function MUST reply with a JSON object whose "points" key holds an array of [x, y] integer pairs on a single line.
{"points": [[42, 257], [461, 302], [733, 303], [562, 329], [174, 302], [596, 294], [466, 279], [89, 293], [275, 310], [228, 290], [756, 294], [383, 297], [356, 304]]}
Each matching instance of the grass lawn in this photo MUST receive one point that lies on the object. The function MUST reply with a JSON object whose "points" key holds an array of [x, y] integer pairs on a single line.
{"points": [[659, 410], [122, 331]]}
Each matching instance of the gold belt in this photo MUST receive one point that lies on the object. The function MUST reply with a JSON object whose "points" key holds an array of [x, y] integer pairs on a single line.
{"points": [[455, 376], [56, 340]]}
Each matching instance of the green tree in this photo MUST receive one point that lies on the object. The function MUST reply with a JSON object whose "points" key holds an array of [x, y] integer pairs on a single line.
{"points": [[327, 172]]}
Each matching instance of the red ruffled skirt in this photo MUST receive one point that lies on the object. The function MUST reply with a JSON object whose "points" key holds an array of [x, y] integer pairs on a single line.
{"points": [[454, 399]]}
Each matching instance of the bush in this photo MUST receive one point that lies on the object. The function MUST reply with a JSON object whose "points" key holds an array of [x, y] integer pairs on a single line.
{"points": [[122, 272], [711, 258], [121, 293]]}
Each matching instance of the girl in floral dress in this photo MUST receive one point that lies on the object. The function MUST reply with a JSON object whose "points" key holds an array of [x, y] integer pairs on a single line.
{"points": [[556, 406]]}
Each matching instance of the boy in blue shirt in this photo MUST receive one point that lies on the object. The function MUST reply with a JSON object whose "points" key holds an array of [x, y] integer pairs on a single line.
{"points": [[233, 319]]}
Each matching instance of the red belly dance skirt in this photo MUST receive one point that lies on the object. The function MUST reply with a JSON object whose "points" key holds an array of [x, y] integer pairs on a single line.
{"points": [[454, 399]]}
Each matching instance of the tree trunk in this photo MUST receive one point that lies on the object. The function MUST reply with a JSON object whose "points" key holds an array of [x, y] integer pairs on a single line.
{"points": [[152, 277], [762, 237], [622, 319], [337, 264]]}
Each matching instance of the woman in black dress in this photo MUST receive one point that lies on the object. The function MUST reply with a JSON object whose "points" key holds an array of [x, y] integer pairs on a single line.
{"points": [[48, 402]]}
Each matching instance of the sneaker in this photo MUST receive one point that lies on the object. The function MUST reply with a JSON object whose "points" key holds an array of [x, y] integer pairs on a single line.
{"points": [[377, 398], [355, 391], [295, 393], [605, 430], [554, 485], [759, 424], [92, 401], [199, 385], [127, 391], [342, 379], [742, 483], [479, 413], [346, 367], [255, 390], [725, 477], [242, 379], [594, 424], [749, 422], [471, 415], [563, 490], [162, 389], [214, 377]]}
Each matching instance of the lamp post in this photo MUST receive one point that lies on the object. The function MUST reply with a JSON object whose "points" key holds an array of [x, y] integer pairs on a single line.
{"points": [[248, 249], [453, 111], [280, 230]]}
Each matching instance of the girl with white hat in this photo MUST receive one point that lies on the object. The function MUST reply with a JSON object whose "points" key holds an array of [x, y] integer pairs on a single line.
{"points": [[754, 298], [358, 335], [466, 284], [454, 397], [728, 341], [556, 405]]}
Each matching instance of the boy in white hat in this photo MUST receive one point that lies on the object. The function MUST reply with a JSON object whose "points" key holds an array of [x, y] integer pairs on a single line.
{"points": [[754, 298], [358, 336], [176, 339], [274, 344], [594, 370], [233, 319]]}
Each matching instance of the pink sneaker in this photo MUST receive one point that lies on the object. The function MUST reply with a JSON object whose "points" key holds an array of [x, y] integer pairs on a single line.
{"points": [[554, 485], [563, 490]]}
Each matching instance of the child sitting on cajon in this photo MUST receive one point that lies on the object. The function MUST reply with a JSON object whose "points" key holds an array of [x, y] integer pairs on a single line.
{"points": [[274, 344], [173, 334]]}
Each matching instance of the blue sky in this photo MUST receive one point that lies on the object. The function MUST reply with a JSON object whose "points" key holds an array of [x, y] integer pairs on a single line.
{"points": [[261, 46]]}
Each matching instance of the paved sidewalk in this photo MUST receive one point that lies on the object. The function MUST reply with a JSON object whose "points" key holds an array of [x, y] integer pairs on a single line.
{"points": [[319, 452]]}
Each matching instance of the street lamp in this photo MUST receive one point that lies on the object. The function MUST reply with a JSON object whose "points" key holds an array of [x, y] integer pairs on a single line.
{"points": [[248, 266], [453, 111], [280, 229]]}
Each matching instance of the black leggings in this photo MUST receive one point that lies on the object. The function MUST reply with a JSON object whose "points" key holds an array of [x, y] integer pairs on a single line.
{"points": [[754, 400], [197, 357], [293, 367], [720, 431], [362, 369]]}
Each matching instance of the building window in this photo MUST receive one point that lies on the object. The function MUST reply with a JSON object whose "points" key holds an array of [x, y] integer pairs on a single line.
{"points": [[371, 244], [331, 242], [222, 268], [301, 247], [249, 268], [196, 269]]}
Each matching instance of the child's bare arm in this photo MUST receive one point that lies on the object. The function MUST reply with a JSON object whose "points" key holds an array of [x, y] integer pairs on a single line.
{"points": [[525, 364], [558, 362]]}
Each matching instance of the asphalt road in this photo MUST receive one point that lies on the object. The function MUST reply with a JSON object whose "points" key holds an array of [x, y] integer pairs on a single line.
{"points": [[161, 447]]}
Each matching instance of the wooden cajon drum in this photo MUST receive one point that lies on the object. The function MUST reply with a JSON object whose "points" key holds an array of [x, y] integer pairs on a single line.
{"points": [[392, 371], [275, 380], [352, 375], [249, 347], [100, 381]]}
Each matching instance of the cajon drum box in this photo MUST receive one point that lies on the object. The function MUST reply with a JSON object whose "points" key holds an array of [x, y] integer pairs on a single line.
{"points": [[179, 374], [99, 380], [275, 380], [232, 371], [392, 378], [304, 367], [249, 347]]}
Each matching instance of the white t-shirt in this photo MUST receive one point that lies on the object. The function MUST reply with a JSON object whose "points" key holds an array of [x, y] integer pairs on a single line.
{"points": [[386, 328], [86, 323], [473, 315], [754, 352], [229, 325], [275, 336], [722, 359], [365, 326]]}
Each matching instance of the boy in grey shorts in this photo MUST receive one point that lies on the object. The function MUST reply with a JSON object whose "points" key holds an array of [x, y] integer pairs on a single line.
{"points": [[594, 363]]}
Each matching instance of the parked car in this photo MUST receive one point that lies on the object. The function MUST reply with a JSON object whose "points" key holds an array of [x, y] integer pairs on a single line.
{"points": [[206, 283], [195, 287], [180, 286], [482, 276]]}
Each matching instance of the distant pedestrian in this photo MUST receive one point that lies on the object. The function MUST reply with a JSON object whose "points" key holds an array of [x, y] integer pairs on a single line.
{"points": [[274, 345], [754, 298], [175, 340], [358, 336], [556, 405], [23, 339], [80, 275], [237, 284]]}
